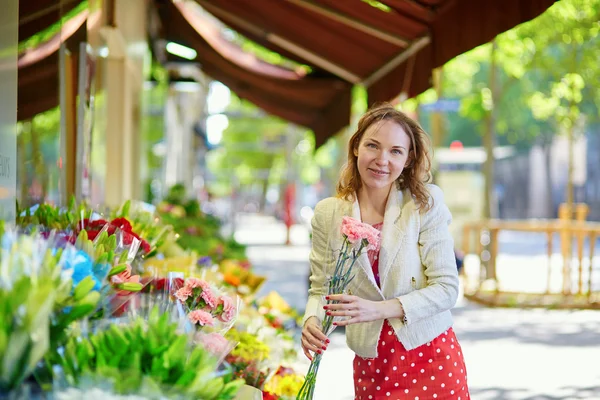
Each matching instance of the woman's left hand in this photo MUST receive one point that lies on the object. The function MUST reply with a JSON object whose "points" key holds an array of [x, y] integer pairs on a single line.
{"points": [[357, 308]]}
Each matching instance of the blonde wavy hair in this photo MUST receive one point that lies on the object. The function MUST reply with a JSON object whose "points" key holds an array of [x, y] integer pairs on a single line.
{"points": [[417, 171]]}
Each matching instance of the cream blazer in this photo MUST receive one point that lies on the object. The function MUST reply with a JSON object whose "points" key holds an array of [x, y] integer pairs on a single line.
{"points": [[416, 266]]}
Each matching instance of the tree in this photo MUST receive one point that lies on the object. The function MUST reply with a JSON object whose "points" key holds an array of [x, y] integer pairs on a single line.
{"points": [[565, 43], [544, 77]]}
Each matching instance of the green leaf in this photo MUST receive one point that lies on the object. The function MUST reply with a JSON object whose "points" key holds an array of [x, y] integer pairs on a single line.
{"points": [[117, 269], [124, 256], [130, 286], [125, 208], [111, 243], [83, 288], [176, 353], [16, 358], [231, 389], [85, 307], [81, 238]]}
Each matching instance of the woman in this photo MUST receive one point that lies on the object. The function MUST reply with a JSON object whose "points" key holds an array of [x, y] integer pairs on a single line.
{"points": [[397, 316]]}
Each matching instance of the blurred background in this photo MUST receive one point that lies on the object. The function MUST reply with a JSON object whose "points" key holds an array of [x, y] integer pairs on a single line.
{"points": [[247, 107]]}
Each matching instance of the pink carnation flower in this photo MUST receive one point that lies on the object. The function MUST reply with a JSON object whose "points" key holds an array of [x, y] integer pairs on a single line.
{"points": [[357, 231], [183, 293], [351, 229], [228, 308], [215, 343], [193, 283], [209, 298], [372, 235], [201, 318]]}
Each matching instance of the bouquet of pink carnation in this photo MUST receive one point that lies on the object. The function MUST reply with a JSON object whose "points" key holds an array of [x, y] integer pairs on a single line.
{"points": [[206, 306], [357, 236]]}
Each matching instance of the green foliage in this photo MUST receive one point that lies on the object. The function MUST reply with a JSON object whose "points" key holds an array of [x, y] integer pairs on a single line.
{"points": [[256, 148], [546, 75], [378, 5], [48, 33], [147, 357], [28, 296]]}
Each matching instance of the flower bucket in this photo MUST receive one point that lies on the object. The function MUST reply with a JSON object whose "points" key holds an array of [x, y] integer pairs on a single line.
{"points": [[247, 392]]}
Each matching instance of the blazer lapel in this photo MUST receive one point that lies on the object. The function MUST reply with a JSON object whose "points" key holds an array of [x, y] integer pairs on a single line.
{"points": [[390, 233], [363, 259]]}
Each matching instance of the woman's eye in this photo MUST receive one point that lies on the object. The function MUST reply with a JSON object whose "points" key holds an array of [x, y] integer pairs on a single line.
{"points": [[397, 152], [372, 145]]}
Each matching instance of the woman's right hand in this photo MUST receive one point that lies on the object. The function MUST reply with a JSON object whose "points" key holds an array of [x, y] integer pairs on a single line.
{"points": [[312, 338]]}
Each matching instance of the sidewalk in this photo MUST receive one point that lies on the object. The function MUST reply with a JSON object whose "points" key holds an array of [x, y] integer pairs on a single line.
{"points": [[511, 354]]}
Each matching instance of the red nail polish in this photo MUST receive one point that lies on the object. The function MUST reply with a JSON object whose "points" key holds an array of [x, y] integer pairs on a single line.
{"points": [[324, 348], [325, 307], [328, 313], [327, 341], [319, 351], [326, 297]]}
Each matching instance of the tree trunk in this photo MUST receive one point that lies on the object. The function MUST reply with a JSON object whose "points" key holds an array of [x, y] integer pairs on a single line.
{"points": [[547, 148], [437, 125], [571, 168], [263, 197], [489, 141]]}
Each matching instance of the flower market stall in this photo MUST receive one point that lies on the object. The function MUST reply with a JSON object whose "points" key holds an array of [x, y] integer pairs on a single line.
{"points": [[137, 303]]}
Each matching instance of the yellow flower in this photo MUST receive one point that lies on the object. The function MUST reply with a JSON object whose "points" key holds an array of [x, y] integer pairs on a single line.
{"points": [[288, 385]]}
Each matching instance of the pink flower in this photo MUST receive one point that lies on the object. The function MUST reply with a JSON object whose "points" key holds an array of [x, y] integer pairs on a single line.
{"points": [[351, 229], [228, 308], [183, 293], [209, 298], [193, 283], [357, 231], [372, 235], [124, 277], [201, 318], [215, 343]]}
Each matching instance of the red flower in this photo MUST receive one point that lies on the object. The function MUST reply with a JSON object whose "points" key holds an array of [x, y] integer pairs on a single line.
{"points": [[283, 371], [270, 396], [145, 246], [92, 235], [160, 283], [91, 225], [122, 223]]}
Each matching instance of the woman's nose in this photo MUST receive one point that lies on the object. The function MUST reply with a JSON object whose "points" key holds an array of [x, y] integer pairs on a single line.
{"points": [[381, 159]]}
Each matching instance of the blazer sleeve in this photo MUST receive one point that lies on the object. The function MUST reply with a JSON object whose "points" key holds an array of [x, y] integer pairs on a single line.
{"points": [[436, 248], [318, 261]]}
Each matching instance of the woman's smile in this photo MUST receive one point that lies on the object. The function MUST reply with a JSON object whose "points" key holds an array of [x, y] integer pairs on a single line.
{"points": [[378, 172]]}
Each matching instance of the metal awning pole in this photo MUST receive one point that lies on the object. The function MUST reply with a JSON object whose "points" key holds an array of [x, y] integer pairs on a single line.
{"points": [[359, 25], [397, 60]]}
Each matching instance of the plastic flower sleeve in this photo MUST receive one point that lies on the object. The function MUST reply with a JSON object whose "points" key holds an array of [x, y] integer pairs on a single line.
{"points": [[215, 343], [226, 312], [207, 308], [127, 246], [29, 275]]}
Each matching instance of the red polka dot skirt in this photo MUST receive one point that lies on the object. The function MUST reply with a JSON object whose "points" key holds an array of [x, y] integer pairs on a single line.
{"points": [[435, 370]]}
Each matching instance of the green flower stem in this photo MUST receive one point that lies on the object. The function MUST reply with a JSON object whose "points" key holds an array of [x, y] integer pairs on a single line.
{"points": [[338, 284]]}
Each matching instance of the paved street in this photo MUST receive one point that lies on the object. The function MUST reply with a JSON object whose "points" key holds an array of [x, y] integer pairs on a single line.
{"points": [[511, 354]]}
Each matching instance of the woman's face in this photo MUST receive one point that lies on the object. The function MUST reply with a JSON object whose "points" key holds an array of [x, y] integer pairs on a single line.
{"points": [[382, 154]]}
